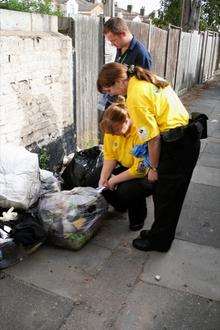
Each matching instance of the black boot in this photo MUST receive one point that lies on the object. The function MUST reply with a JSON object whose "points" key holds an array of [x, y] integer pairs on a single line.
{"points": [[144, 233], [146, 245]]}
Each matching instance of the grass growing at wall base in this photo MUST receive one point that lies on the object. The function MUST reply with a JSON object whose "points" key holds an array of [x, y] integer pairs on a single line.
{"points": [[38, 6], [43, 159]]}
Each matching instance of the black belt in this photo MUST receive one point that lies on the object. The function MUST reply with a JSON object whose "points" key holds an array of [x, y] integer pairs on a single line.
{"points": [[197, 129], [174, 134]]}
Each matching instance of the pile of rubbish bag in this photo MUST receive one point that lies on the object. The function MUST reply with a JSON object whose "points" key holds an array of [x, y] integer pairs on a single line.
{"points": [[72, 217], [35, 205]]}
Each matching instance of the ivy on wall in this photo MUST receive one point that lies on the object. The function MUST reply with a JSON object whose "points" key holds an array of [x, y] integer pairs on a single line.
{"points": [[45, 7]]}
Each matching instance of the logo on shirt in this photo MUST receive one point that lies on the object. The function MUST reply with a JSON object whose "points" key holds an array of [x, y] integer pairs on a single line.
{"points": [[115, 145], [142, 132]]}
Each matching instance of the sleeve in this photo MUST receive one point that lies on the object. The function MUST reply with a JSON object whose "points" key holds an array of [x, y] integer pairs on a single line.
{"points": [[146, 124], [108, 151], [141, 107]]}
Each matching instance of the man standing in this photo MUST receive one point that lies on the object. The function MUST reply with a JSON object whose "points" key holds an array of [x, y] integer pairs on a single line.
{"points": [[129, 51]]}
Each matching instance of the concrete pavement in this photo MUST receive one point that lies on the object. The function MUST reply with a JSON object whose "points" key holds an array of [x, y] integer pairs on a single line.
{"points": [[110, 285]]}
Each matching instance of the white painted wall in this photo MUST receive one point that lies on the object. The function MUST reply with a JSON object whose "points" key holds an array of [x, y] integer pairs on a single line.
{"points": [[35, 79]]}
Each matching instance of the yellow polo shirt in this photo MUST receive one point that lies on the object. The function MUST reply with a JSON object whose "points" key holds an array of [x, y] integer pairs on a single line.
{"points": [[154, 110], [119, 148]]}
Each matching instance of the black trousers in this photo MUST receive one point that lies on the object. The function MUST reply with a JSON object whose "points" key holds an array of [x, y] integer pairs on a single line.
{"points": [[177, 161], [131, 195]]}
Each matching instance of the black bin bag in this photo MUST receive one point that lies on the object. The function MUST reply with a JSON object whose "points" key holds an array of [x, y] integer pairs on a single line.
{"points": [[84, 169]]}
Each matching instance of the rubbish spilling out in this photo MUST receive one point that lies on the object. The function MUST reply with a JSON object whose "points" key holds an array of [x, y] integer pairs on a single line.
{"points": [[37, 206]]}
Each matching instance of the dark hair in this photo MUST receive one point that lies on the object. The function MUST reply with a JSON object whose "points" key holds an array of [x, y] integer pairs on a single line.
{"points": [[113, 72], [115, 25], [116, 113]]}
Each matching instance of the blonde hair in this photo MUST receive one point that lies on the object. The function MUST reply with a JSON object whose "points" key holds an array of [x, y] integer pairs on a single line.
{"points": [[115, 114], [113, 72]]}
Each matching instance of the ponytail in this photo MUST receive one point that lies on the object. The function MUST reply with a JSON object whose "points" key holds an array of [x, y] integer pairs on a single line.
{"points": [[113, 72], [144, 74]]}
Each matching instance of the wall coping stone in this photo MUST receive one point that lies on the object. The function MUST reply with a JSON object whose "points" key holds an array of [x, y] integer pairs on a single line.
{"points": [[22, 21]]}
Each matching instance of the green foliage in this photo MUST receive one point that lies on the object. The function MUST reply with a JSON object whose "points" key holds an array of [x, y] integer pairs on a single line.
{"points": [[170, 13], [43, 159], [77, 237], [210, 15], [37, 6]]}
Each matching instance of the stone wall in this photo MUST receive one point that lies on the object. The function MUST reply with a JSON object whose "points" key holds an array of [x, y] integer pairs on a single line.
{"points": [[36, 90]]}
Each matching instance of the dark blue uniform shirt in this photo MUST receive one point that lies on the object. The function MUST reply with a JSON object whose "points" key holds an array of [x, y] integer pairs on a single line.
{"points": [[136, 54]]}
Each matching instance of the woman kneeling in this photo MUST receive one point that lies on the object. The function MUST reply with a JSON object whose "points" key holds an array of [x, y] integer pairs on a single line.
{"points": [[128, 187]]}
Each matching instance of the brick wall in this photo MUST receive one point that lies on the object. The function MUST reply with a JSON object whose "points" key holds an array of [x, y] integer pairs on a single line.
{"points": [[36, 102]]}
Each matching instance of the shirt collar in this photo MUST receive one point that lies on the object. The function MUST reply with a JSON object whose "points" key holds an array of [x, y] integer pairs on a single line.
{"points": [[131, 46], [133, 43]]}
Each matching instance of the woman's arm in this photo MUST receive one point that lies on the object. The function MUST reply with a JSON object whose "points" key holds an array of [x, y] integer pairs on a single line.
{"points": [[107, 169], [124, 176], [154, 154]]}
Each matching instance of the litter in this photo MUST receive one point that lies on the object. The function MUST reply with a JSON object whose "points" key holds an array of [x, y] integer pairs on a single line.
{"points": [[19, 238], [49, 183], [157, 277], [19, 177], [9, 215], [72, 217], [84, 169]]}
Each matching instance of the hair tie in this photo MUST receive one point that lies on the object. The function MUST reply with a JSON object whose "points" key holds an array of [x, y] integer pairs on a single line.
{"points": [[131, 69]]}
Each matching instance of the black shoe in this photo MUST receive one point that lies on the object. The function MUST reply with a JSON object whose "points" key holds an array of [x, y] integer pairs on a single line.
{"points": [[144, 234], [136, 227], [145, 245]]}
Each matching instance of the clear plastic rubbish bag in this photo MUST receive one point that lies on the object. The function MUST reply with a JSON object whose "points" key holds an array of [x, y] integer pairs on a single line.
{"points": [[72, 217], [49, 183]]}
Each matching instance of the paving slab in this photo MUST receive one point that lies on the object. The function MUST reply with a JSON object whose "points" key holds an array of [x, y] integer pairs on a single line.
{"points": [[202, 196], [216, 133], [115, 228], [63, 272], [213, 92], [187, 267], [108, 292], [213, 126], [84, 317], [151, 307], [24, 307], [206, 175], [199, 226], [209, 159], [213, 147]]}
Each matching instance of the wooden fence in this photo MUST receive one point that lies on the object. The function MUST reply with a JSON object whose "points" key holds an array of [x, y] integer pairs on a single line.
{"points": [[184, 59], [87, 40]]}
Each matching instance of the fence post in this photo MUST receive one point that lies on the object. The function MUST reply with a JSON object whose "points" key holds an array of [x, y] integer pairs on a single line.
{"points": [[149, 35], [177, 61], [101, 43], [189, 79], [210, 74], [166, 53], [66, 26], [204, 47]]}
